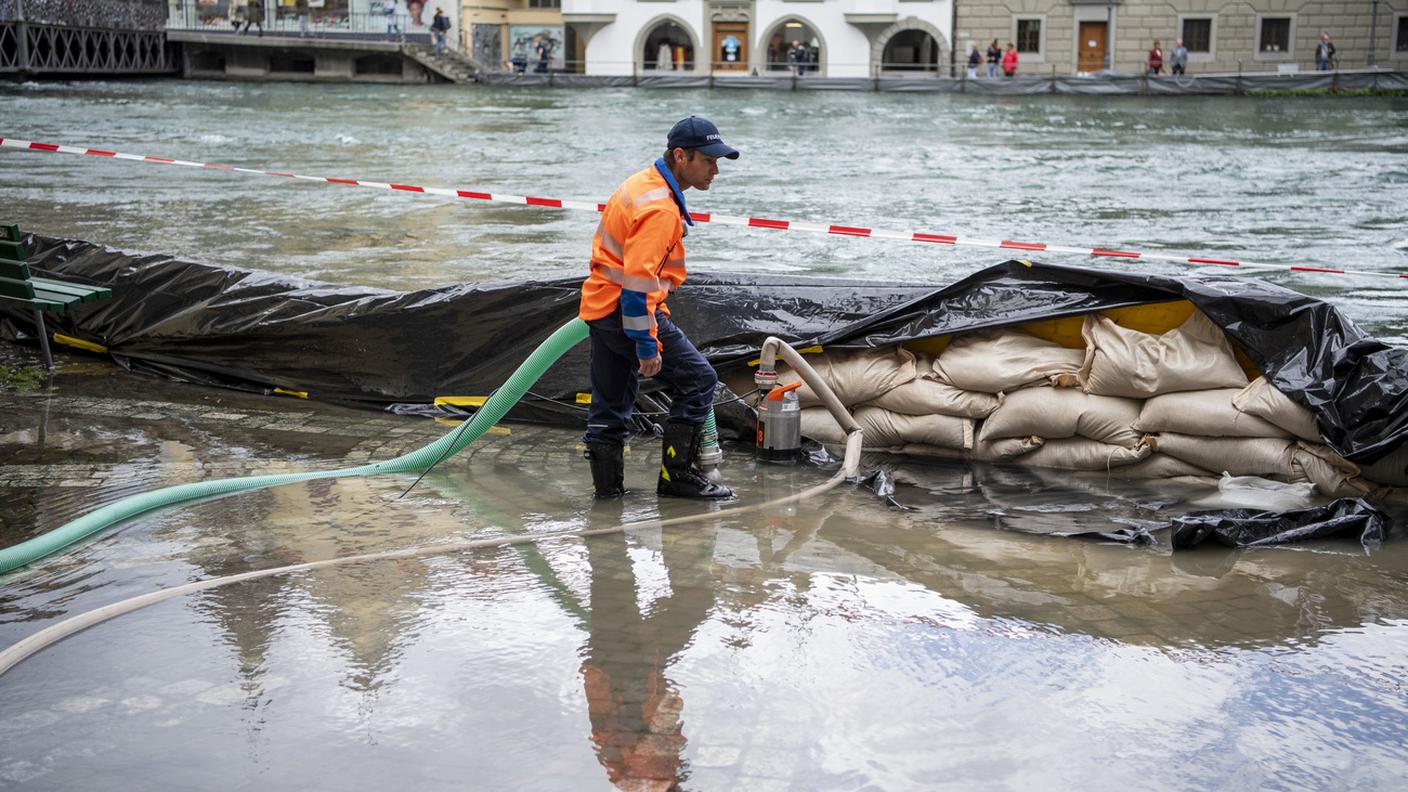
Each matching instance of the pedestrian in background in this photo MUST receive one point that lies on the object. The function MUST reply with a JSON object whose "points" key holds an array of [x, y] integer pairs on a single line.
{"points": [[975, 59], [254, 15], [543, 47], [1179, 60], [1156, 59], [1009, 60], [1324, 51], [994, 56], [393, 21], [301, 9], [439, 27]]}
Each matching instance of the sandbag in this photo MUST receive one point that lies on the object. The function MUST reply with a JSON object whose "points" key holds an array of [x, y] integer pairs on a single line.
{"points": [[1392, 469], [855, 377], [928, 396], [995, 361], [1161, 466], [1082, 453], [885, 429], [1265, 401], [1330, 473], [1240, 456], [1209, 413], [1055, 413], [1123, 362], [993, 451]]}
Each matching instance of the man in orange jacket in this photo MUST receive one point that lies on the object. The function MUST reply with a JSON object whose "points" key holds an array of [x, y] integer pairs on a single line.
{"points": [[637, 260]]}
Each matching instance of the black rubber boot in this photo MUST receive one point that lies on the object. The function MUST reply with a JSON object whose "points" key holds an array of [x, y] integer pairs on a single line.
{"points": [[608, 469], [680, 476]]}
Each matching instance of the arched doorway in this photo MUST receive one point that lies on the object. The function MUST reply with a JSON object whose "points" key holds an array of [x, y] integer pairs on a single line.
{"points": [[911, 50], [792, 46], [668, 45]]}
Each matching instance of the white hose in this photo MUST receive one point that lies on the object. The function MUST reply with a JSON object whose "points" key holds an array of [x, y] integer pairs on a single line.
{"points": [[17, 653]]}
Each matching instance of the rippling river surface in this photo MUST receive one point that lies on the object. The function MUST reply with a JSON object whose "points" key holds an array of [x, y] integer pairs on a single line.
{"points": [[833, 644]]}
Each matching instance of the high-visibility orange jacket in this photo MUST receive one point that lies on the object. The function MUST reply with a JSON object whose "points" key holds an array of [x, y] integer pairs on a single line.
{"points": [[638, 255]]}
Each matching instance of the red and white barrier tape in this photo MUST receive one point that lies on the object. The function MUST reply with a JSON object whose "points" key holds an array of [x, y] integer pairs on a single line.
{"points": [[699, 217]]}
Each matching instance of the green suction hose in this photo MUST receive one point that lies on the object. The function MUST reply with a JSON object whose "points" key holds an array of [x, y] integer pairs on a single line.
{"points": [[547, 353]]}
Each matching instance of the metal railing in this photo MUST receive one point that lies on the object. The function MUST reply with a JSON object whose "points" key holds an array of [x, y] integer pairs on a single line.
{"points": [[280, 21], [96, 14]]}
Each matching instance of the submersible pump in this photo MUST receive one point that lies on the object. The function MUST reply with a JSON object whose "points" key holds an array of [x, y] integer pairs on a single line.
{"points": [[779, 420]]}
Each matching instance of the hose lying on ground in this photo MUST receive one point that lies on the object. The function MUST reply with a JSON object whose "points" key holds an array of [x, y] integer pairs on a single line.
{"points": [[772, 347], [495, 407]]}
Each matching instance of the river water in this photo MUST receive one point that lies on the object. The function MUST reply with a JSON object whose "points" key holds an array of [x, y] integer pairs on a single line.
{"points": [[834, 644]]}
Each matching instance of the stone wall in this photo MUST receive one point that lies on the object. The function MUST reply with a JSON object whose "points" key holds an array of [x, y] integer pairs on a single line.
{"points": [[1137, 23]]}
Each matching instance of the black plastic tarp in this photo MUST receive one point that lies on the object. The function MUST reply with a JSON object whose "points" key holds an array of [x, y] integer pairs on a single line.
{"points": [[1346, 517], [377, 347]]}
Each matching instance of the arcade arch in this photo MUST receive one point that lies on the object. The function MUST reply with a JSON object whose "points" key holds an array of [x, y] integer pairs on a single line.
{"points": [[666, 44], [777, 55]]}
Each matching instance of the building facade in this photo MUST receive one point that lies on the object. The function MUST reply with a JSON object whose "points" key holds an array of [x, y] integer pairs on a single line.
{"points": [[823, 38], [513, 34], [1222, 36]]}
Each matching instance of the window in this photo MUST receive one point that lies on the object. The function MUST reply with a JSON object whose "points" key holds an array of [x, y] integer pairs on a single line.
{"points": [[1275, 35], [1401, 35], [1029, 35], [545, 3], [1197, 35]]}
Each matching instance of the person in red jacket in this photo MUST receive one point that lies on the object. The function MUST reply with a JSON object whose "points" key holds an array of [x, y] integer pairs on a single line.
{"points": [[637, 260], [1009, 60], [1156, 58]]}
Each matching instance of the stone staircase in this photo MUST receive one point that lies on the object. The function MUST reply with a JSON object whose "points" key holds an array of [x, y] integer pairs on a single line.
{"points": [[454, 66]]}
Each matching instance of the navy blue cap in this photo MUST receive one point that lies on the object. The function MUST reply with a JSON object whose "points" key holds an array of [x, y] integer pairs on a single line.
{"points": [[700, 133]]}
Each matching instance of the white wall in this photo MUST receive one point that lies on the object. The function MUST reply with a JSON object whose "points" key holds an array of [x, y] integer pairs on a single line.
{"points": [[845, 47]]}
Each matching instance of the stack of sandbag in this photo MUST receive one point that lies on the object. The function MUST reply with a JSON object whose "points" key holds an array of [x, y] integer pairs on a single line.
{"points": [[895, 396], [1200, 410], [1132, 404]]}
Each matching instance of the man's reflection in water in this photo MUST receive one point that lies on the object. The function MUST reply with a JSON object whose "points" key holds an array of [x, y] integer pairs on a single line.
{"points": [[635, 709]]}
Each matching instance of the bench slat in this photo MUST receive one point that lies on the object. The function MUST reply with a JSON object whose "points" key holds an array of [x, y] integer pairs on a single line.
{"points": [[16, 288], [13, 250], [36, 302], [14, 269], [82, 292], [9, 231], [61, 297]]}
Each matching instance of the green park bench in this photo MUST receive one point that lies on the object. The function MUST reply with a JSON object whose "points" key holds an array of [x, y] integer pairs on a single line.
{"points": [[40, 294]]}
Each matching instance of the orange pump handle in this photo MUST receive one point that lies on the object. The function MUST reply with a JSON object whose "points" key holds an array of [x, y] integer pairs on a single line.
{"points": [[776, 393]]}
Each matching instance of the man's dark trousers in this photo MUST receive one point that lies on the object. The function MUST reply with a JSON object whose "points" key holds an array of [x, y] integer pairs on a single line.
{"points": [[688, 377]]}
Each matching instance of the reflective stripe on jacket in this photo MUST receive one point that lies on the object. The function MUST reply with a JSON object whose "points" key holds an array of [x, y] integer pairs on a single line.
{"points": [[637, 255]]}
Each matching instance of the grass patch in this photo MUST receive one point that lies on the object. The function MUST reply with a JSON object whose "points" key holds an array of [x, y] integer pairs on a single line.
{"points": [[23, 378]]}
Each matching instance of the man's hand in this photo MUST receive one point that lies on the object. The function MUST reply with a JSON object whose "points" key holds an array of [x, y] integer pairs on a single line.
{"points": [[649, 367]]}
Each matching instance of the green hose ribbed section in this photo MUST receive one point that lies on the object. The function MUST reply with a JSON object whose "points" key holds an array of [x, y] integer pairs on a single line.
{"points": [[494, 409]]}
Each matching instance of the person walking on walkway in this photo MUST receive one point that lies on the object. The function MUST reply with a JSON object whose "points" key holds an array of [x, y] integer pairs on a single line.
{"points": [[1009, 60], [1324, 52], [440, 26], [1156, 59], [994, 56], [975, 59], [1179, 60], [393, 20], [254, 15], [637, 260], [300, 9]]}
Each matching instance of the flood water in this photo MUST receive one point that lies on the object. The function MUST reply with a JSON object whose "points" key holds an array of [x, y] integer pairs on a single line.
{"points": [[837, 643], [1320, 181]]}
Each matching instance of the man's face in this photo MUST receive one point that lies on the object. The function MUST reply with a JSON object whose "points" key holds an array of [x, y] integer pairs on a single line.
{"points": [[697, 169]]}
